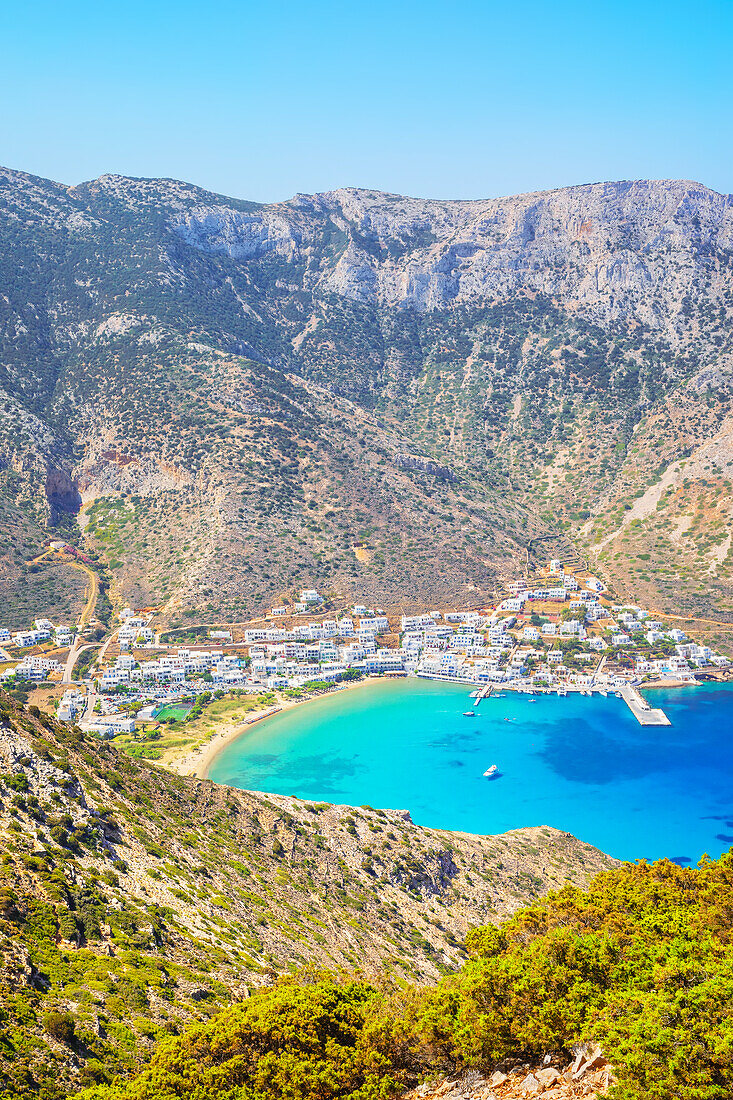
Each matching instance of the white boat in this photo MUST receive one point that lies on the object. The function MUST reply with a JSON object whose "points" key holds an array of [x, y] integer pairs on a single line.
{"points": [[469, 714], [491, 771]]}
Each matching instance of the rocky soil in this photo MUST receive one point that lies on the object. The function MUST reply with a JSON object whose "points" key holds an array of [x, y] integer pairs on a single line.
{"points": [[588, 1075]]}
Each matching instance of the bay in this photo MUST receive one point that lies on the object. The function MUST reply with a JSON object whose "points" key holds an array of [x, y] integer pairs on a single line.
{"points": [[583, 765]]}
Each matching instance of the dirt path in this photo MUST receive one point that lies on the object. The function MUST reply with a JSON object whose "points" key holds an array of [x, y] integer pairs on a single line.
{"points": [[91, 593], [690, 618]]}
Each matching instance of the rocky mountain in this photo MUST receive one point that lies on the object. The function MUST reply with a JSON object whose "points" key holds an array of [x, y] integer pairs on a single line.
{"points": [[375, 394], [134, 902]]}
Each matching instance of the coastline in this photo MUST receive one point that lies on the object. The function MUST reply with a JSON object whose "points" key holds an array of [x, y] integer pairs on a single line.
{"points": [[196, 762]]}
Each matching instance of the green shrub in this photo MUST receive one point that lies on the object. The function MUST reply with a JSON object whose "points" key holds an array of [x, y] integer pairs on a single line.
{"points": [[59, 1025]]}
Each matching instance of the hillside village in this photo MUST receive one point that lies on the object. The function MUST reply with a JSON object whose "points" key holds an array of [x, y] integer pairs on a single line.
{"points": [[560, 633]]}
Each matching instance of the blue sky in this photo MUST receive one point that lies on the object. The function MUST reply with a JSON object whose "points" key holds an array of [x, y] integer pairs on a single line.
{"points": [[457, 99]]}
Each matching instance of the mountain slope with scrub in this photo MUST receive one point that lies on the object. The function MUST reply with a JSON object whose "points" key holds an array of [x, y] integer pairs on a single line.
{"points": [[640, 962], [380, 395]]}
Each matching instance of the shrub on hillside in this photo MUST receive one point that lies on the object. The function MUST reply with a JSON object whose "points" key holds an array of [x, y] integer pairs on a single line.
{"points": [[641, 962], [59, 1025]]}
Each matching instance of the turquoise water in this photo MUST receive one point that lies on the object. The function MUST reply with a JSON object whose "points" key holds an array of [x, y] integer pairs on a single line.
{"points": [[582, 764]]}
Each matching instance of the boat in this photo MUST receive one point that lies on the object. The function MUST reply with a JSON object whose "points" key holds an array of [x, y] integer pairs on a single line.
{"points": [[491, 772], [500, 695], [469, 714]]}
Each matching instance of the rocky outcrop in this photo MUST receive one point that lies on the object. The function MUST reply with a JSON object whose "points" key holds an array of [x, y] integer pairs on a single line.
{"points": [[588, 1075], [425, 466], [62, 492], [616, 250]]}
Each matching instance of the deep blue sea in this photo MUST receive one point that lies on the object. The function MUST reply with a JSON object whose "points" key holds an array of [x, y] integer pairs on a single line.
{"points": [[582, 764]]}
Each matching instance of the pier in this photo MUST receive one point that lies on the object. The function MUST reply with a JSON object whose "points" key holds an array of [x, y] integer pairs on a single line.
{"points": [[483, 693], [644, 714]]}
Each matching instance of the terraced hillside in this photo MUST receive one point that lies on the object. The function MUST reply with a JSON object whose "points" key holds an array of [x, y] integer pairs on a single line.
{"points": [[378, 395], [133, 901]]}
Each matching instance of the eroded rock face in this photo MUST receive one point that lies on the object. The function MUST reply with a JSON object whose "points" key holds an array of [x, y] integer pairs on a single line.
{"points": [[62, 492], [626, 249]]}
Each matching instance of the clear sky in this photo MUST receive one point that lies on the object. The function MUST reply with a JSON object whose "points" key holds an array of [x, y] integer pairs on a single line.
{"points": [[444, 98]]}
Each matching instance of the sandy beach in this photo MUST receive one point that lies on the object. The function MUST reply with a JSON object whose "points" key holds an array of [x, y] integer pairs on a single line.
{"points": [[195, 762]]}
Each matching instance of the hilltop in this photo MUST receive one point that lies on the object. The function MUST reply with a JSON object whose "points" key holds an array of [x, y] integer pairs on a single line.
{"points": [[372, 393], [134, 902]]}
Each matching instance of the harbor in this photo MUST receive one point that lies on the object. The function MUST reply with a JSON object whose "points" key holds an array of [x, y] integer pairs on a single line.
{"points": [[583, 764], [645, 714]]}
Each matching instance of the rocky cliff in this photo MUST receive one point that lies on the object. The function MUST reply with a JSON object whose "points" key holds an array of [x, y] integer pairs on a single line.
{"points": [[633, 250]]}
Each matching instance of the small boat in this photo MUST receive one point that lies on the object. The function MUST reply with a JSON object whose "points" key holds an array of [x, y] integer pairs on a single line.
{"points": [[491, 772], [469, 714], [500, 695]]}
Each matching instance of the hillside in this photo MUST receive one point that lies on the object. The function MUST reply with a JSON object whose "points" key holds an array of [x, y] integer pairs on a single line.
{"points": [[627, 984], [379, 395], [134, 902]]}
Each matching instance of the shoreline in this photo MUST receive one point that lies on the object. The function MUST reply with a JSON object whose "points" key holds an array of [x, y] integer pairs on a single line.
{"points": [[196, 762]]}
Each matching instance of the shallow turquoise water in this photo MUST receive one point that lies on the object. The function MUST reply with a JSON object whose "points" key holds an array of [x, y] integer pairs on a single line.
{"points": [[581, 764]]}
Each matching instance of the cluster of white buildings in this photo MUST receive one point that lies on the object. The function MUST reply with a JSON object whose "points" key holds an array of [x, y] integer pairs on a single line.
{"points": [[135, 630], [558, 635], [32, 666], [322, 651]]}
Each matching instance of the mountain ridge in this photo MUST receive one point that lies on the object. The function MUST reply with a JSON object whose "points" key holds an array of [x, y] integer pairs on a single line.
{"points": [[557, 351]]}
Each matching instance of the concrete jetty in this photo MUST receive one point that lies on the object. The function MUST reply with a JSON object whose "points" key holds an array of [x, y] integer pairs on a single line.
{"points": [[481, 694], [644, 714]]}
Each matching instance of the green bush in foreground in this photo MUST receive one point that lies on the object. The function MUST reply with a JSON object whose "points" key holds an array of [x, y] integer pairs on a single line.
{"points": [[314, 1041], [642, 962]]}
